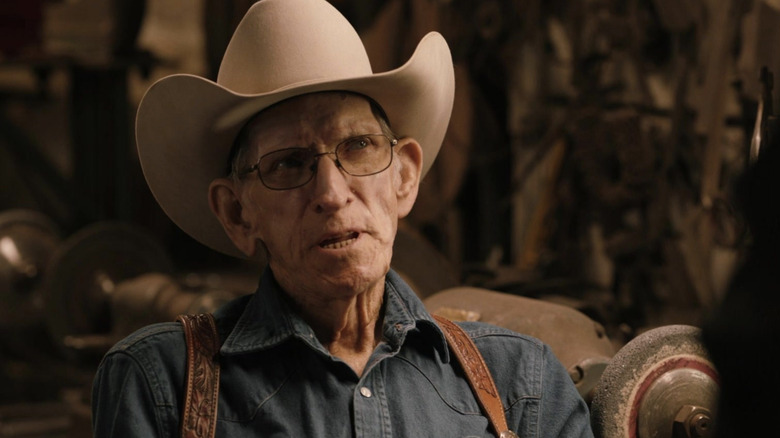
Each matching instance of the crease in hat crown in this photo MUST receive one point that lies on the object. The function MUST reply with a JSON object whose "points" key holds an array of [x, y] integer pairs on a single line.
{"points": [[186, 124], [321, 38]]}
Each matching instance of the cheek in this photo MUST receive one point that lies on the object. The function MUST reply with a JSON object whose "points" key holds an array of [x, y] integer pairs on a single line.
{"points": [[268, 223], [384, 209], [252, 214]]}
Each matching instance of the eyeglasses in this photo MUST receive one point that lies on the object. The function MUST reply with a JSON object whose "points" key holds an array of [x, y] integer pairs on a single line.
{"points": [[290, 168]]}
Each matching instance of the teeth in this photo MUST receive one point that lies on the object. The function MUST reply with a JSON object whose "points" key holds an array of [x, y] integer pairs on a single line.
{"points": [[339, 244]]}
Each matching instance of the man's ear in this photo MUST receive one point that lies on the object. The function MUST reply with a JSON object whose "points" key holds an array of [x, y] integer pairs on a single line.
{"points": [[409, 154], [226, 205]]}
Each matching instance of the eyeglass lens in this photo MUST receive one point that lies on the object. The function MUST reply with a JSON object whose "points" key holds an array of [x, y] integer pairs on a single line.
{"points": [[294, 167]]}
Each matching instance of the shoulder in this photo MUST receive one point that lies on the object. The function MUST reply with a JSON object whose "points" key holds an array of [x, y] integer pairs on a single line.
{"points": [[151, 349], [149, 337], [538, 393], [154, 343], [154, 357], [160, 350], [490, 332], [136, 390], [516, 360], [493, 340]]}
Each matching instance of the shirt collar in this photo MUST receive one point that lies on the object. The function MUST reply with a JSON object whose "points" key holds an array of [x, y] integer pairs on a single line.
{"points": [[268, 320]]}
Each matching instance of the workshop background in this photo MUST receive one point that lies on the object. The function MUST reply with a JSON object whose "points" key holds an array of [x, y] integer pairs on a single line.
{"points": [[591, 162]]}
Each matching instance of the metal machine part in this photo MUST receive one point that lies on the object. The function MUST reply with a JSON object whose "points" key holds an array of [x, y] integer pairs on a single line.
{"points": [[27, 241], [84, 273], [156, 297], [580, 343], [660, 385]]}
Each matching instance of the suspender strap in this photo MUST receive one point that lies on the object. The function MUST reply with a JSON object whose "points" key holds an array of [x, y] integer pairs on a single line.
{"points": [[478, 374], [199, 417]]}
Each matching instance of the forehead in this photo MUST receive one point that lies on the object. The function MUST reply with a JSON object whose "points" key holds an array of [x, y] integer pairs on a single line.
{"points": [[310, 117]]}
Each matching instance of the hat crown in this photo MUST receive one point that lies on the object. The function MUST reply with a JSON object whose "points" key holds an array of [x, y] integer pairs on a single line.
{"points": [[281, 43]]}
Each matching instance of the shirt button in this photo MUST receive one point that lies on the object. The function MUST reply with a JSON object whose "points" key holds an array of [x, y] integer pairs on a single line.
{"points": [[365, 392]]}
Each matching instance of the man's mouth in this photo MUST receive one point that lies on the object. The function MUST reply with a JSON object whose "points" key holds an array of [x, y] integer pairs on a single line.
{"points": [[339, 241]]}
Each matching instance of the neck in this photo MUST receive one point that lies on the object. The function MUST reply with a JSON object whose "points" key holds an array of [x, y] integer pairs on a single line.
{"points": [[351, 327]]}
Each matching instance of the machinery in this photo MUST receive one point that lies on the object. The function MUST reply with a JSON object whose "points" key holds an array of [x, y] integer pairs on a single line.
{"points": [[660, 385], [109, 279], [74, 298], [27, 241], [84, 273]]}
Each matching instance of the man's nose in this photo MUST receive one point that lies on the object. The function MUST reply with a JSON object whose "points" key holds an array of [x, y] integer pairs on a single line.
{"points": [[331, 186]]}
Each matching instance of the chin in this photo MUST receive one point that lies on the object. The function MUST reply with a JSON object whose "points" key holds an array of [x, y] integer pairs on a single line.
{"points": [[355, 279], [333, 279]]}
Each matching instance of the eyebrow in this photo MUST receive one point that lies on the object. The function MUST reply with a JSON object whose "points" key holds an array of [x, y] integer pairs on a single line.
{"points": [[334, 143], [240, 146]]}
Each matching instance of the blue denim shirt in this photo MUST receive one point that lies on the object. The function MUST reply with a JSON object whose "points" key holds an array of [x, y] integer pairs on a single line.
{"points": [[277, 380]]}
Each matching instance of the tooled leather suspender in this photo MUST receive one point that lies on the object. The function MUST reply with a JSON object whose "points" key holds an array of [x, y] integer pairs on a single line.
{"points": [[199, 418], [478, 375]]}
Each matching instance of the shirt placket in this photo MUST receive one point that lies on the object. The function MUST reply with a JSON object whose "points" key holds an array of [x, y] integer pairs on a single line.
{"points": [[371, 411]]}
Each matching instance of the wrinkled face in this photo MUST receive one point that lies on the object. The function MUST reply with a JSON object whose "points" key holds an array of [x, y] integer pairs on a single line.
{"points": [[334, 235]]}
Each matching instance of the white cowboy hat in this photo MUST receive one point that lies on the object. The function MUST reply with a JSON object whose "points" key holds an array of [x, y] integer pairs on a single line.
{"points": [[186, 124]]}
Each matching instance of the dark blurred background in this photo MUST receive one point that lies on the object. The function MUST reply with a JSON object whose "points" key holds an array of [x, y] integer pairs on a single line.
{"points": [[591, 161]]}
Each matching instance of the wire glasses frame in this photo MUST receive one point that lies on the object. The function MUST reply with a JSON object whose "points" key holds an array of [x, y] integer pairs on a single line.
{"points": [[290, 168]]}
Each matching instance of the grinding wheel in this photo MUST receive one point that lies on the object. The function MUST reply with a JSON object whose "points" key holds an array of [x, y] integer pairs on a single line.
{"points": [[28, 240], [661, 384], [85, 271]]}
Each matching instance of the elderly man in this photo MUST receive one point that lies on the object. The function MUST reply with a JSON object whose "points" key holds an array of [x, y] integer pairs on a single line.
{"points": [[301, 154]]}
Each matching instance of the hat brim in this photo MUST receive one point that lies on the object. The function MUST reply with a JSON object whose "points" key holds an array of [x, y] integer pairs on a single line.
{"points": [[186, 125]]}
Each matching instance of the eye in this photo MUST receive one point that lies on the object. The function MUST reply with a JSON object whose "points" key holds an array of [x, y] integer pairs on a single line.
{"points": [[285, 160], [357, 143]]}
